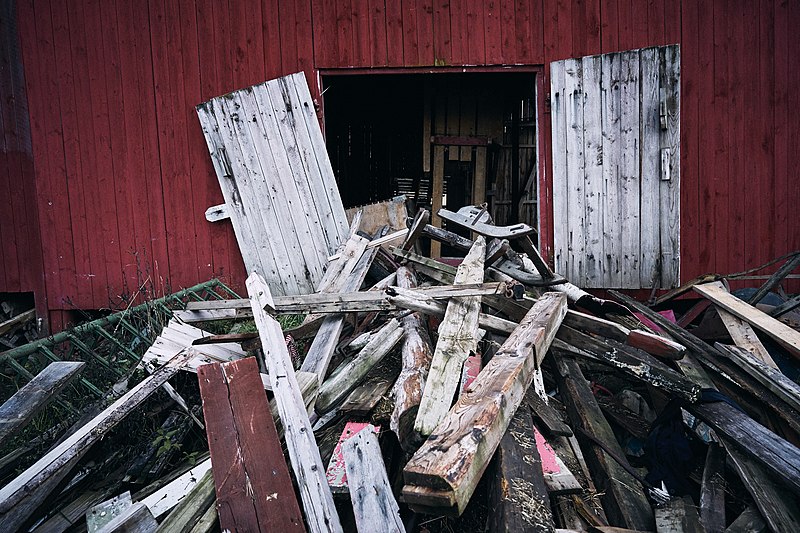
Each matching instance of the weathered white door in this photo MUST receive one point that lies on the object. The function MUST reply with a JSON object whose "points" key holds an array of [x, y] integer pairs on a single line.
{"points": [[616, 160]]}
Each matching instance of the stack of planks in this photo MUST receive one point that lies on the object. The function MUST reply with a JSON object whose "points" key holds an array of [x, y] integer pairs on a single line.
{"points": [[444, 387]]}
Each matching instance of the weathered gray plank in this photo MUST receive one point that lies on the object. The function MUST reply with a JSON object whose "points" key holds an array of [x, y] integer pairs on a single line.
{"points": [[558, 117], [18, 410], [457, 339], [593, 172], [650, 203], [303, 450], [374, 506], [670, 190]]}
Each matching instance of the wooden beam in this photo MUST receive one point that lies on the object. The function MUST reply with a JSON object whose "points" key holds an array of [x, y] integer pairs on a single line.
{"points": [[317, 499], [626, 359], [253, 487], [744, 337], [16, 321], [779, 457], [457, 453], [518, 498], [415, 358], [18, 410], [623, 498], [345, 378], [458, 337], [712, 490], [437, 192], [20, 498], [777, 277], [374, 506], [787, 337]]}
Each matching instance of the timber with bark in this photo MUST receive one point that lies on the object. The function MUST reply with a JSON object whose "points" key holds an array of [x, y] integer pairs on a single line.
{"points": [[416, 358], [462, 444], [458, 338]]}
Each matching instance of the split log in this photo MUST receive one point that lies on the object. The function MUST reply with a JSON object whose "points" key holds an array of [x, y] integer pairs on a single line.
{"points": [[712, 490], [20, 498], [623, 498], [457, 453], [518, 500], [787, 337], [458, 337], [18, 410], [317, 499], [349, 375], [253, 487], [416, 360], [374, 506]]}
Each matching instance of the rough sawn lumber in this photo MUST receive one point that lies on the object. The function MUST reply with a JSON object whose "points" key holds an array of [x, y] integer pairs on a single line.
{"points": [[458, 337], [317, 499], [455, 456]]}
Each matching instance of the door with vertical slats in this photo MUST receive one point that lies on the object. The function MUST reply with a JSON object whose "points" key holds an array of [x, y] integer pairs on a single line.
{"points": [[616, 160]]}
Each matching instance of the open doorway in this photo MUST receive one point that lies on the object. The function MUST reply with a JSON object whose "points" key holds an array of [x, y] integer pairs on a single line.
{"points": [[443, 140]]}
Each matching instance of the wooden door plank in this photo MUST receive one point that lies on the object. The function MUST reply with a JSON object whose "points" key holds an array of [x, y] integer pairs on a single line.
{"points": [[787, 337], [593, 171], [670, 190], [253, 487], [459, 450], [320, 511], [457, 339], [18, 410], [629, 193], [575, 164], [612, 223], [650, 130], [558, 119], [374, 506]]}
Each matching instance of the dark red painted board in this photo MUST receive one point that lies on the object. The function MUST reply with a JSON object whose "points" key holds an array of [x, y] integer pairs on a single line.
{"points": [[254, 490]]}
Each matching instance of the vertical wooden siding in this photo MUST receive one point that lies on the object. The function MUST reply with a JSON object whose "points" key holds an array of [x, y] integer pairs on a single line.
{"points": [[20, 244], [123, 175]]}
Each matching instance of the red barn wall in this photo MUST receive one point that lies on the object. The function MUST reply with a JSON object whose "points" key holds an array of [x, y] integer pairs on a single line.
{"points": [[124, 177], [20, 244]]}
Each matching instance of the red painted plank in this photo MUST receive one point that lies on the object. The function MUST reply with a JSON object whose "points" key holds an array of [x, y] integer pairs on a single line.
{"points": [[751, 150], [609, 26], [131, 240], [378, 29], [425, 31], [442, 50], [394, 33], [59, 257], [131, 161], [672, 22], [9, 261], [625, 31], [656, 21], [476, 40], [563, 44], [523, 49], [508, 42], [411, 55], [536, 44], [344, 33], [271, 36], [458, 32], [359, 17], [787, 186], [104, 158], [764, 172], [493, 33], [691, 91], [253, 487], [305, 46], [638, 27]]}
